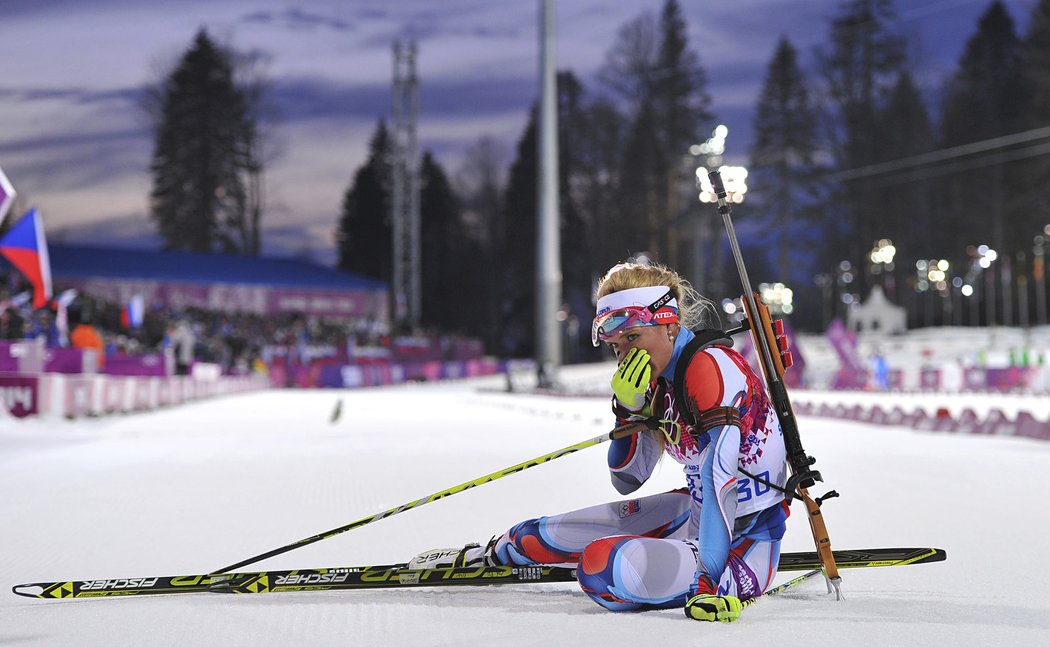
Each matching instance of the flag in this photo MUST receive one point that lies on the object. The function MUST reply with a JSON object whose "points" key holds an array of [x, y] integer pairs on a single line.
{"points": [[25, 246], [132, 315], [7, 195], [62, 315]]}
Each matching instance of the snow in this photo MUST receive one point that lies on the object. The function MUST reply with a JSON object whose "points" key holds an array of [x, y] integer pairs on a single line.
{"points": [[200, 486]]}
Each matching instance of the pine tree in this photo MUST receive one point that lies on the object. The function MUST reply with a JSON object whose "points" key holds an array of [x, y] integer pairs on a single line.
{"points": [[1035, 61], [908, 215], [595, 140], [681, 110], [450, 257], [517, 275], [859, 64], [653, 68], [577, 256], [782, 168], [981, 103], [1035, 69], [206, 165], [515, 264], [636, 221], [364, 234], [481, 187]]}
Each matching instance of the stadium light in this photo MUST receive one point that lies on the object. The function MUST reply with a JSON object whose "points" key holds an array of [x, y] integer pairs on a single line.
{"points": [[734, 178]]}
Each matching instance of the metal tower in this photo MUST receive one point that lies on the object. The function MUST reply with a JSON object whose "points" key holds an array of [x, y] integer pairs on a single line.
{"points": [[404, 203]]}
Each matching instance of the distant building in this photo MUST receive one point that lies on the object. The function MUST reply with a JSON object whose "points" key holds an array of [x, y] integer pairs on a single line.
{"points": [[878, 315], [220, 282]]}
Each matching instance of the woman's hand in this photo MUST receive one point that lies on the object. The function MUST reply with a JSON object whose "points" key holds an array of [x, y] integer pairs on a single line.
{"points": [[631, 380]]}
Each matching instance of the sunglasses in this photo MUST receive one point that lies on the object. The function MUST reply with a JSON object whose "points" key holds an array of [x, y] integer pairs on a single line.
{"points": [[610, 324]]}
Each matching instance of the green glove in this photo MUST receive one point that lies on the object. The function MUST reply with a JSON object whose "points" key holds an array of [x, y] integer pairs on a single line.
{"points": [[631, 380], [723, 608]]}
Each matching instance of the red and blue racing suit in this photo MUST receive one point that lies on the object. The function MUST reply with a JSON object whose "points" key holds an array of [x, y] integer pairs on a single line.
{"points": [[720, 534]]}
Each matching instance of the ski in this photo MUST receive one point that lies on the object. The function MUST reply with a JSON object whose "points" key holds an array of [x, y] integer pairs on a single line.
{"points": [[390, 576]]}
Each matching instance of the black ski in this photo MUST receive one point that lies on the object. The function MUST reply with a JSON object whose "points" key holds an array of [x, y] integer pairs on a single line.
{"points": [[398, 576]]}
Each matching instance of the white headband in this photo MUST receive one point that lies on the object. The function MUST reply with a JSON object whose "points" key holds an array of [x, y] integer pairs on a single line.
{"points": [[643, 297]]}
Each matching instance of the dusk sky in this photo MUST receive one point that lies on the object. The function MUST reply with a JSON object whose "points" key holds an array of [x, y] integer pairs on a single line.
{"points": [[75, 143]]}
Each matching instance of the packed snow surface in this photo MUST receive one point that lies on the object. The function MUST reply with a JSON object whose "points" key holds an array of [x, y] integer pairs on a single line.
{"points": [[200, 486]]}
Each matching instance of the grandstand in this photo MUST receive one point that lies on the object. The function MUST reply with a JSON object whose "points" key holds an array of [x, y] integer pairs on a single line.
{"points": [[218, 282]]}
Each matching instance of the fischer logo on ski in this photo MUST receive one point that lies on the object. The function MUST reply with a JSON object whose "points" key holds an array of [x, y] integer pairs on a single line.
{"points": [[310, 578], [130, 583]]}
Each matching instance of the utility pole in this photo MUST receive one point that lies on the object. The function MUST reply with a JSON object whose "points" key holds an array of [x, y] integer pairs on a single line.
{"points": [[548, 265], [404, 203]]}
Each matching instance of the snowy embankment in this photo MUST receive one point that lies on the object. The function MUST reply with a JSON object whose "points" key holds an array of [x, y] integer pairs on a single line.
{"points": [[194, 488]]}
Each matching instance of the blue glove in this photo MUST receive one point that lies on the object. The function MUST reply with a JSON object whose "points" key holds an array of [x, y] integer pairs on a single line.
{"points": [[631, 380]]}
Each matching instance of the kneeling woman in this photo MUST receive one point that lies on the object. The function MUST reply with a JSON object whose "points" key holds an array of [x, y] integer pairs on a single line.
{"points": [[707, 546]]}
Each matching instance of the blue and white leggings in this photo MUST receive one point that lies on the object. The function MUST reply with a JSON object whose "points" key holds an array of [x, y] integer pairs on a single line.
{"points": [[637, 554]]}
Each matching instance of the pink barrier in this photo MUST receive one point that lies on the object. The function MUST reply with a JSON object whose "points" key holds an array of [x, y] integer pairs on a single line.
{"points": [[74, 396], [898, 417], [877, 416], [996, 423], [19, 395], [968, 422], [854, 412], [1026, 425], [113, 395], [79, 397]]}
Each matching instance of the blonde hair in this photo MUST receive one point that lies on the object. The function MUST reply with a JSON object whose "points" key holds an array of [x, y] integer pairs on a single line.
{"points": [[694, 310]]}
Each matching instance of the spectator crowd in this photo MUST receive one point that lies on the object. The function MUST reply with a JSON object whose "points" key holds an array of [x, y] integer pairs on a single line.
{"points": [[238, 342]]}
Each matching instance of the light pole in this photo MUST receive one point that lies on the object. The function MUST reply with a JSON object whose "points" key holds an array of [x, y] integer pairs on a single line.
{"points": [[1039, 278], [922, 285], [844, 281], [933, 275], [1022, 292], [823, 281], [957, 302], [987, 256], [967, 291], [881, 257]]}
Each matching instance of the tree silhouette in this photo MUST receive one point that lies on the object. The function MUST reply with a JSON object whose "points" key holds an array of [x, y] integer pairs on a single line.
{"points": [[364, 236], [206, 163]]}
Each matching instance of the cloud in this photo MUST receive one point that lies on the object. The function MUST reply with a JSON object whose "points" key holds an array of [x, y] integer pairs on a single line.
{"points": [[64, 141], [306, 99], [297, 19], [313, 239], [75, 95], [123, 230]]}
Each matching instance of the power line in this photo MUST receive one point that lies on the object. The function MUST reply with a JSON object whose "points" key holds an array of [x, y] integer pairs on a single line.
{"points": [[935, 157]]}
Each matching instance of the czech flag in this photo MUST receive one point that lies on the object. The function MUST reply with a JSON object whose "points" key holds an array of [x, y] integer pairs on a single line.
{"points": [[25, 246]]}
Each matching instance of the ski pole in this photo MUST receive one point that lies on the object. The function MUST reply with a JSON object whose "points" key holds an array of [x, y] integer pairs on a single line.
{"points": [[620, 432], [803, 475], [795, 581]]}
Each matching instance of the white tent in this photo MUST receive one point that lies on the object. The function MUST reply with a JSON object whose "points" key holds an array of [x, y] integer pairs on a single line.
{"points": [[878, 315]]}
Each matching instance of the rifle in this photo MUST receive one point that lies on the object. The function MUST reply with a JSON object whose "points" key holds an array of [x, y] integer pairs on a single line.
{"points": [[773, 355]]}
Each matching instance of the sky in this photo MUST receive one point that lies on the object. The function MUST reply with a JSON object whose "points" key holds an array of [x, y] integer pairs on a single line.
{"points": [[193, 487], [75, 142]]}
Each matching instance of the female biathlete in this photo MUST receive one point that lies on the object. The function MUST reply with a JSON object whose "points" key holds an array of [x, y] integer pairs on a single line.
{"points": [[707, 546]]}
